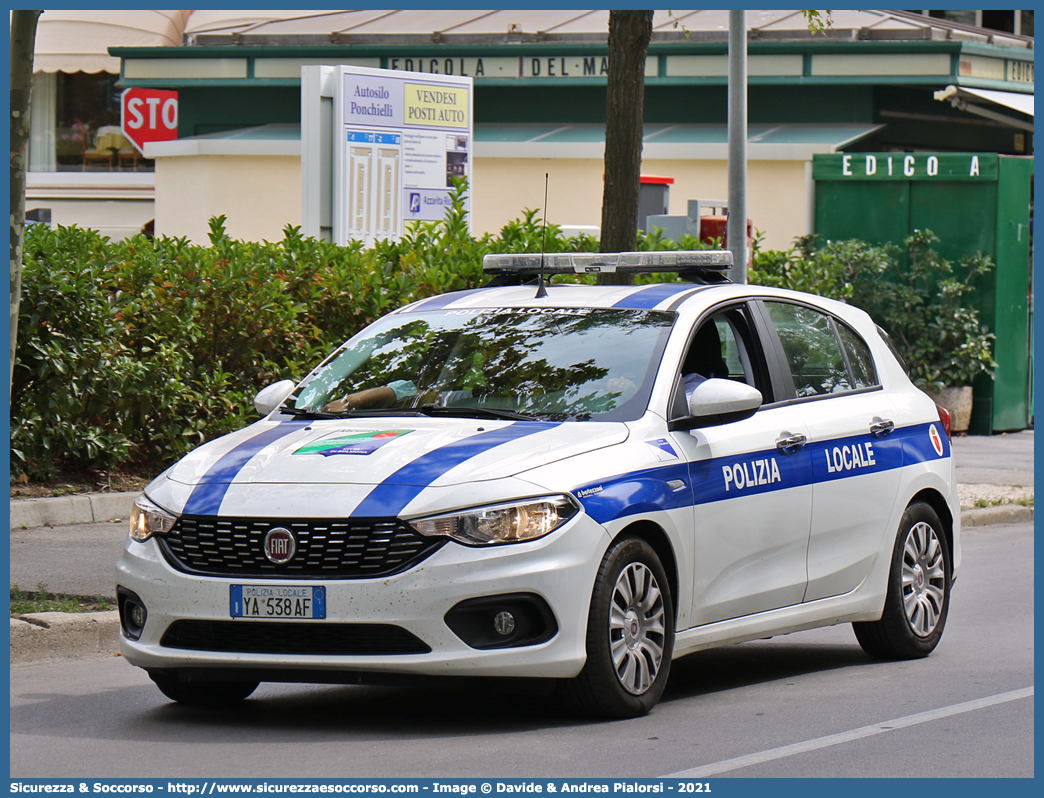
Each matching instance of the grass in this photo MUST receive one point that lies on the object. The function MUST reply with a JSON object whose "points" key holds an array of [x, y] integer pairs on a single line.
{"points": [[40, 600], [981, 503]]}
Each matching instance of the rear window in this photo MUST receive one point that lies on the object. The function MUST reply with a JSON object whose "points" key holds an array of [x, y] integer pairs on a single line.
{"points": [[893, 349]]}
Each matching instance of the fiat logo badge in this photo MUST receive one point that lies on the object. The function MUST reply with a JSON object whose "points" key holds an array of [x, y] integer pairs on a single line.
{"points": [[280, 545]]}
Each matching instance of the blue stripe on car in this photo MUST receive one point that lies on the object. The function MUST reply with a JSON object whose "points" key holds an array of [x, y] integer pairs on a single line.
{"points": [[723, 478], [206, 497], [443, 300], [390, 497], [850, 457], [650, 297]]}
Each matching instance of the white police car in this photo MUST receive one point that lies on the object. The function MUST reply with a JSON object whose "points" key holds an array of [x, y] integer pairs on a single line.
{"points": [[510, 482]]}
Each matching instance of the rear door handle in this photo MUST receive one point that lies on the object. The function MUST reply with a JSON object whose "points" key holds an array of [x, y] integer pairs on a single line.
{"points": [[881, 427], [791, 443]]}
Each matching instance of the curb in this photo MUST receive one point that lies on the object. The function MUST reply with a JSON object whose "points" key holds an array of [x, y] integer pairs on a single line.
{"points": [[1001, 514], [45, 635], [90, 508]]}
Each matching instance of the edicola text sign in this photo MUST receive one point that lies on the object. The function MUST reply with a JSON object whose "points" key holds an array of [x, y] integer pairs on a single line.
{"points": [[905, 166], [399, 141]]}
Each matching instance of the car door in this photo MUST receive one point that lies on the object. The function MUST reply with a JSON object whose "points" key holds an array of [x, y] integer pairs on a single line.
{"points": [[855, 455], [751, 483]]}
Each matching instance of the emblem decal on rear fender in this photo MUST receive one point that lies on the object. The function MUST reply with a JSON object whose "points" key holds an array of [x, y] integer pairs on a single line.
{"points": [[937, 444]]}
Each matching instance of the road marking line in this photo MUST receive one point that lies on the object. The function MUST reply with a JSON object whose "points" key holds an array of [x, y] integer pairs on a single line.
{"points": [[848, 736]]}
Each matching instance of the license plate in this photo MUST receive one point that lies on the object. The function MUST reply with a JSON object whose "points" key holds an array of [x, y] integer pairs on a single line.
{"points": [[275, 601]]}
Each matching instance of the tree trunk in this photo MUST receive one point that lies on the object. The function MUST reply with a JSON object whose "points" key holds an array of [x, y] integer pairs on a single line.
{"points": [[23, 41], [629, 34]]}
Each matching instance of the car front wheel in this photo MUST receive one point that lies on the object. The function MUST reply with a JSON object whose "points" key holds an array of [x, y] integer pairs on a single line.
{"points": [[918, 596], [630, 635]]}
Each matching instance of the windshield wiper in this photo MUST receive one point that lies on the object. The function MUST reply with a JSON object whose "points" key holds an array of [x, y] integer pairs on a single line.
{"points": [[303, 412], [362, 413], [475, 412], [378, 411]]}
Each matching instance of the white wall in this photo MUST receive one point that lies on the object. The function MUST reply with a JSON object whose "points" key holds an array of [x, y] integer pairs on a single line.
{"points": [[116, 219], [776, 201], [258, 194]]}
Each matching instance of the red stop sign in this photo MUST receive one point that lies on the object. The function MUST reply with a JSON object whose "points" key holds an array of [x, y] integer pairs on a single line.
{"points": [[149, 115]]}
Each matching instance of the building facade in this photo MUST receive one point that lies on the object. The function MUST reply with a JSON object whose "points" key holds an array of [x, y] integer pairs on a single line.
{"points": [[868, 83]]}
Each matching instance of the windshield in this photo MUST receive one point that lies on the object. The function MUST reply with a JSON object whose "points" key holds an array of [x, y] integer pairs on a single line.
{"points": [[553, 363]]}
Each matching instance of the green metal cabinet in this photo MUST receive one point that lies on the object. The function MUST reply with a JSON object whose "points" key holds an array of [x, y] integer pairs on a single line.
{"points": [[974, 202]]}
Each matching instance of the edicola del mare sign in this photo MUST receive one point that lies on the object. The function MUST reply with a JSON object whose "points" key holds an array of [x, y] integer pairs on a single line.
{"points": [[905, 166], [400, 140]]}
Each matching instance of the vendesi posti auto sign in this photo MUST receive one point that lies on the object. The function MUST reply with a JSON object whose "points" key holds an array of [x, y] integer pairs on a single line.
{"points": [[402, 138], [947, 166]]}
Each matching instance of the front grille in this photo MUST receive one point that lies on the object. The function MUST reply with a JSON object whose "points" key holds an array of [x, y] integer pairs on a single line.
{"points": [[285, 637], [326, 548]]}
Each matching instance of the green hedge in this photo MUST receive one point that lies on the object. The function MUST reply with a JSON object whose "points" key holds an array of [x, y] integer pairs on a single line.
{"points": [[912, 292], [140, 350], [137, 351]]}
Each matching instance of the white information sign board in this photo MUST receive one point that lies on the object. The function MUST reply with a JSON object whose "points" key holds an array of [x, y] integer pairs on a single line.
{"points": [[399, 140]]}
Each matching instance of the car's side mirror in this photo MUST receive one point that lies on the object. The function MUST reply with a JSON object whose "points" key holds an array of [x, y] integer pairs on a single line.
{"points": [[268, 399], [717, 401]]}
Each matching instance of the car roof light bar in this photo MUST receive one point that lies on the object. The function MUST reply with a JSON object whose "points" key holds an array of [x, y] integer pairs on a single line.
{"points": [[608, 262]]}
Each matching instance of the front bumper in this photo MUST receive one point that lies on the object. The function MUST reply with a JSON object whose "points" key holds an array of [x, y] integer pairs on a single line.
{"points": [[560, 569]]}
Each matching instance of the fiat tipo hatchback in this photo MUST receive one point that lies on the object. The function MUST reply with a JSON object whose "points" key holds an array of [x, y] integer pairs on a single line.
{"points": [[570, 482]]}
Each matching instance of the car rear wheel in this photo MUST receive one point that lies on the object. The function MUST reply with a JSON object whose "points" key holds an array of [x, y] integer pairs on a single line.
{"points": [[918, 596], [201, 693], [630, 636]]}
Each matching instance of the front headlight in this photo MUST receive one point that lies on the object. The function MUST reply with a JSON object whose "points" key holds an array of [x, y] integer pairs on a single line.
{"points": [[148, 519], [512, 522]]}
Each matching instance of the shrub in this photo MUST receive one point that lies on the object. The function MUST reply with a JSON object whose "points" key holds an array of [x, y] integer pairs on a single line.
{"points": [[140, 350], [920, 304]]}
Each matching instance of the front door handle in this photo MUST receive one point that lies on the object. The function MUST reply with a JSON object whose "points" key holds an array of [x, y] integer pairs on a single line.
{"points": [[881, 427], [791, 443]]}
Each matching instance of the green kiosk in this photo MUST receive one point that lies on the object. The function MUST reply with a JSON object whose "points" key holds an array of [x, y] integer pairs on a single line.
{"points": [[974, 202]]}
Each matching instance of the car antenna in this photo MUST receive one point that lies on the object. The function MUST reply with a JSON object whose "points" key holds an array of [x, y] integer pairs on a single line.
{"points": [[541, 290]]}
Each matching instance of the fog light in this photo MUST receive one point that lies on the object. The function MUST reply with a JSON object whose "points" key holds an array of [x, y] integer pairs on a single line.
{"points": [[133, 614], [504, 623], [138, 615]]}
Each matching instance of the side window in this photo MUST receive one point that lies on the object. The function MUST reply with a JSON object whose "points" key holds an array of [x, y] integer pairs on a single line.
{"points": [[859, 360], [724, 347], [811, 348], [733, 352]]}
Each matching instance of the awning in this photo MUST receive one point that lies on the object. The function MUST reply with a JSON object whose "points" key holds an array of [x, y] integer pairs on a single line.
{"points": [[783, 142], [966, 99], [78, 41]]}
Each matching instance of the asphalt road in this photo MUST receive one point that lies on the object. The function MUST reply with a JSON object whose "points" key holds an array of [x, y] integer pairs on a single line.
{"points": [[794, 706]]}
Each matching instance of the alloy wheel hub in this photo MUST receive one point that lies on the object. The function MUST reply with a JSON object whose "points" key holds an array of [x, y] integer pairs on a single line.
{"points": [[924, 579], [636, 628]]}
